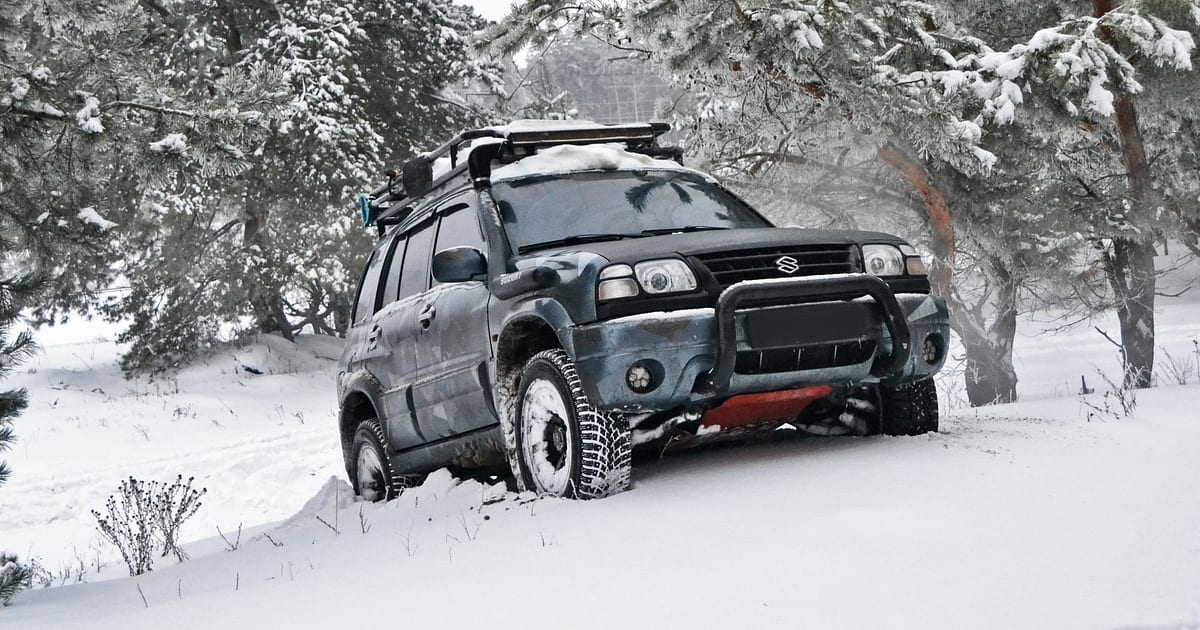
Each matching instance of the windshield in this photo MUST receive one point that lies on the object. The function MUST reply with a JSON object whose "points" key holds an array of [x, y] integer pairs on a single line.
{"points": [[546, 209]]}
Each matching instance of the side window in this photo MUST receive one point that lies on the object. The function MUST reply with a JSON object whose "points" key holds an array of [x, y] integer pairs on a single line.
{"points": [[460, 228], [414, 278], [391, 284], [364, 306]]}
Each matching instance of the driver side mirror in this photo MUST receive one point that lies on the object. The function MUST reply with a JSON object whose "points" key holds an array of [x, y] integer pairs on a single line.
{"points": [[459, 264]]}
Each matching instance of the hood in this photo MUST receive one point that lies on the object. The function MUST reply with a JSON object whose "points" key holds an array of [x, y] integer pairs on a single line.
{"points": [[699, 243]]}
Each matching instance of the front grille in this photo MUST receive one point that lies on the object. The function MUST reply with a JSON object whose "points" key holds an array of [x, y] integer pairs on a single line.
{"points": [[811, 357], [764, 263]]}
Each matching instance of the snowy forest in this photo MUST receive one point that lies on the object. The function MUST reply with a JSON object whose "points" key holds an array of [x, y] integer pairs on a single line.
{"points": [[185, 172]]}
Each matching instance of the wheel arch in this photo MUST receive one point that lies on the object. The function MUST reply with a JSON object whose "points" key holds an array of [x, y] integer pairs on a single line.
{"points": [[358, 404], [521, 339]]}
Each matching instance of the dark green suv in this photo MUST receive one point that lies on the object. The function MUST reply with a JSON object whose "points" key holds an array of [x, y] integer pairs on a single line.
{"points": [[543, 300]]}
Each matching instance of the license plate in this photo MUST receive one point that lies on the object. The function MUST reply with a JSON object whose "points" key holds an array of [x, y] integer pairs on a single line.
{"points": [[808, 324]]}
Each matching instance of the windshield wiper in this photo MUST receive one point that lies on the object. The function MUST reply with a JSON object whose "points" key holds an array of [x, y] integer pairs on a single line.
{"points": [[576, 239], [686, 228]]}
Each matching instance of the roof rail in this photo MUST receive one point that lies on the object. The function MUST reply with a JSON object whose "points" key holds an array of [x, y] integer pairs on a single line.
{"points": [[391, 203]]}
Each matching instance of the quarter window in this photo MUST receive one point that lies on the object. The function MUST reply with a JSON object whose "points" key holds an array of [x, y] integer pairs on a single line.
{"points": [[368, 289]]}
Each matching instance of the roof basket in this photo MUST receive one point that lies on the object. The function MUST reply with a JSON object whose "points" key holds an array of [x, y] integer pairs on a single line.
{"points": [[392, 203]]}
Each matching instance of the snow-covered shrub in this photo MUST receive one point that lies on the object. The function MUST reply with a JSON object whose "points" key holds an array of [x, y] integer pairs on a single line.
{"points": [[14, 577], [143, 515]]}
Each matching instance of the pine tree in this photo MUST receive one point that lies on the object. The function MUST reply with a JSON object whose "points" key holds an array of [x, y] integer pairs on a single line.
{"points": [[272, 245], [15, 294], [14, 577], [89, 124]]}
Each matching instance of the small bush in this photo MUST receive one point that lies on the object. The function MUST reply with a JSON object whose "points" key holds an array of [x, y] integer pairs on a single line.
{"points": [[174, 504], [14, 577], [142, 517]]}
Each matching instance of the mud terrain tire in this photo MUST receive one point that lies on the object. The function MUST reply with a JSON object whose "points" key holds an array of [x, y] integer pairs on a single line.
{"points": [[564, 445], [909, 409]]}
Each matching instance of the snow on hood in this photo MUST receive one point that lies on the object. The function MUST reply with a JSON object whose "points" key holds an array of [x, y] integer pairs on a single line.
{"points": [[570, 158]]}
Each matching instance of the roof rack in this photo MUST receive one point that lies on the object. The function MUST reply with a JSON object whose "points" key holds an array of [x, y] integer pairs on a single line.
{"points": [[393, 202]]}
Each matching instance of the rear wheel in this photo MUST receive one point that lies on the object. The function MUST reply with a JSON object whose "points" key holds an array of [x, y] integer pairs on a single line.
{"points": [[565, 446], [374, 479], [909, 409]]}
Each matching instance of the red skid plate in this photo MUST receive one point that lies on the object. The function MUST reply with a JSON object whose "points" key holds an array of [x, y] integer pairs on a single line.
{"points": [[767, 407]]}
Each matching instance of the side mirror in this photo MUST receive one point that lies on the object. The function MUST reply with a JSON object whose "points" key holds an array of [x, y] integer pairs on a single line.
{"points": [[459, 264], [417, 177]]}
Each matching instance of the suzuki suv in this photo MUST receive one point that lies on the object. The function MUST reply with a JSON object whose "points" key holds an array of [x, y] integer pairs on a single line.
{"points": [[543, 300]]}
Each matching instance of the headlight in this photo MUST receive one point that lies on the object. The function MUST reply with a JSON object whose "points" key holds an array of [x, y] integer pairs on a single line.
{"points": [[883, 260], [616, 282], [913, 263], [669, 275]]}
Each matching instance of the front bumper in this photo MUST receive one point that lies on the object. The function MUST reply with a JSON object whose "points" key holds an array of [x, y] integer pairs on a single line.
{"points": [[695, 354]]}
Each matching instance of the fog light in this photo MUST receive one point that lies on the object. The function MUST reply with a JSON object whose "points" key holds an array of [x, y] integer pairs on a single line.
{"points": [[640, 378], [933, 349]]}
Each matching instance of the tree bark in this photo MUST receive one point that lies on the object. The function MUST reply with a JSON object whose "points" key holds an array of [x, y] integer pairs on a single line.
{"points": [[990, 376], [265, 301], [1130, 270], [1130, 266], [938, 213]]}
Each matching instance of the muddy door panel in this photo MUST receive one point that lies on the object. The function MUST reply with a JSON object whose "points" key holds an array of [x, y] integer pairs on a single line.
{"points": [[391, 356], [453, 351]]}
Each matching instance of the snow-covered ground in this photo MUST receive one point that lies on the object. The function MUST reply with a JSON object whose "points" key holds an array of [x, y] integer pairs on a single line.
{"points": [[1027, 515]]}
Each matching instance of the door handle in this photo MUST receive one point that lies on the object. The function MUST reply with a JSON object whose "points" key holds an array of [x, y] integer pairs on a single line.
{"points": [[426, 316], [373, 337]]}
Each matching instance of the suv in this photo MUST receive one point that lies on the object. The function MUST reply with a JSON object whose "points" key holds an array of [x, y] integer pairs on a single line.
{"points": [[546, 299]]}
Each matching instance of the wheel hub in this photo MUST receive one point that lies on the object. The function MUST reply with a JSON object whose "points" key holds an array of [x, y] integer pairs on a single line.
{"points": [[370, 475], [556, 441], [546, 437]]}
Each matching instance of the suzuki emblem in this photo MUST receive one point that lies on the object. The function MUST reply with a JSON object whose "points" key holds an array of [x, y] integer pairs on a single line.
{"points": [[788, 265]]}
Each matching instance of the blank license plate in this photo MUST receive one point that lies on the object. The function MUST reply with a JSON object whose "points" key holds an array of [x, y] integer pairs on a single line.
{"points": [[803, 325]]}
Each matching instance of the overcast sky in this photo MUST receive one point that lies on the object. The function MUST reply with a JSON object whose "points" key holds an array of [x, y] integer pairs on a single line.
{"points": [[490, 9]]}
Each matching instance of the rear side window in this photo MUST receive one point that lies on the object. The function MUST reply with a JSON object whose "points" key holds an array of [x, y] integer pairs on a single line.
{"points": [[414, 278], [364, 307], [391, 285]]}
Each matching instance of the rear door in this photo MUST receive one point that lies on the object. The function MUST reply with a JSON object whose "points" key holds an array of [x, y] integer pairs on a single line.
{"points": [[396, 327], [453, 349]]}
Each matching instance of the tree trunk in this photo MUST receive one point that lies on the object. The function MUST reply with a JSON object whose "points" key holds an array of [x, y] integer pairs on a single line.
{"points": [[1130, 270], [990, 376], [1130, 267], [265, 301]]}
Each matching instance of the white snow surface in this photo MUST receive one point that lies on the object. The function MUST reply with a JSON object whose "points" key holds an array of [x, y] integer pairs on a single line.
{"points": [[1018, 516]]}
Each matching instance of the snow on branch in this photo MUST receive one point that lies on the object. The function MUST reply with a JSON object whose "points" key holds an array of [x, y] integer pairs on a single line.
{"points": [[90, 215], [171, 144]]}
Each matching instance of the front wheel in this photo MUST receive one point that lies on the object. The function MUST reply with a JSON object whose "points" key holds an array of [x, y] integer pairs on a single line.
{"points": [[565, 446], [909, 409]]}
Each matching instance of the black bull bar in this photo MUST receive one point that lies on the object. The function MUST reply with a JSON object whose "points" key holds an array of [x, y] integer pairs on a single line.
{"points": [[827, 288]]}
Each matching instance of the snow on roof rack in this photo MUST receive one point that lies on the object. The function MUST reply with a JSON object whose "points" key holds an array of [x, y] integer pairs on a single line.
{"points": [[392, 202]]}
